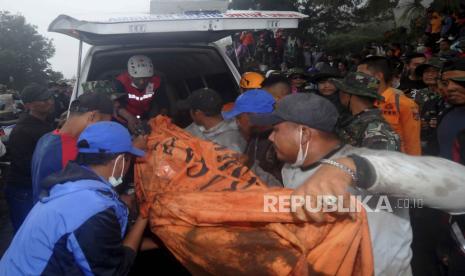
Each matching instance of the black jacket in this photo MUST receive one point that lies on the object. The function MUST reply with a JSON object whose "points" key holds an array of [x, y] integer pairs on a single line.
{"points": [[21, 145]]}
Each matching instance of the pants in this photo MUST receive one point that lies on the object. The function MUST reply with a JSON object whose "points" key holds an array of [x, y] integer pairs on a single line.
{"points": [[427, 229], [20, 203], [456, 263]]}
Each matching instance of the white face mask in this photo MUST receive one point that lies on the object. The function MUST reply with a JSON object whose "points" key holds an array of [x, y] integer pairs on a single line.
{"points": [[113, 181], [396, 83], [301, 155]]}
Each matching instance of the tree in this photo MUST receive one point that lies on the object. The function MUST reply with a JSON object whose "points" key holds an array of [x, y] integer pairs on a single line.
{"points": [[411, 11], [24, 53], [341, 25], [54, 76], [328, 17], [263, 4]]}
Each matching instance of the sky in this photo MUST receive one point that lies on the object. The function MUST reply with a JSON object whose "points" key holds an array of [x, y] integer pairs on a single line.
{"points": [[42, 12]]}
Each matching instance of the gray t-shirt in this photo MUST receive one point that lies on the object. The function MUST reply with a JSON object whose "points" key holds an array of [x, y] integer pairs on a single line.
{"points": [[225, 134], [391, 233]]}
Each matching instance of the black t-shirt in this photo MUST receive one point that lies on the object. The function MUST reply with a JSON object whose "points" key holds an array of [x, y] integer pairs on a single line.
{"points": [[21, 145], [407, 85], [261, 149]]}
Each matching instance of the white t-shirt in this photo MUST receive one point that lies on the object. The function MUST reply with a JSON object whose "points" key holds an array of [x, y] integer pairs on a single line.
{"points": [[391, 233]]}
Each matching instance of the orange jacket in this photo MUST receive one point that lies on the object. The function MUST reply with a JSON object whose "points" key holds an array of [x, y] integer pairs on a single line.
{"points": [[405, 122]]}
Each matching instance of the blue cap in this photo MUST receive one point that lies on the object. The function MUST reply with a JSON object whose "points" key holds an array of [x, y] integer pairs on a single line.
{"points": [[253, 101], [107, 137]]}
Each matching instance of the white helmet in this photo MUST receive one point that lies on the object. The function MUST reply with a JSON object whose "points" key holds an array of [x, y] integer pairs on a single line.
{"points": [[140, 67]]}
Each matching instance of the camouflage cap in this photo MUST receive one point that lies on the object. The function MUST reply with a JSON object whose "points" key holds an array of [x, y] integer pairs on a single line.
{"points": [[459, 79], [296, 71], [325, 73], [359, 84], [433, 62], [102, 86], [455, 69]]}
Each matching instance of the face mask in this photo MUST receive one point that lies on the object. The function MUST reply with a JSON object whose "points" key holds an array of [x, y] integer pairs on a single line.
{"points": [[301, 156], [396, 83], [113, 181]]}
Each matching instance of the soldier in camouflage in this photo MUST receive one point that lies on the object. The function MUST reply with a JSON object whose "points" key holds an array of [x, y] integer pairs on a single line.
{"points": [[102, 86], [298, 78], [367, 128], [431, 104], [107, 87]]}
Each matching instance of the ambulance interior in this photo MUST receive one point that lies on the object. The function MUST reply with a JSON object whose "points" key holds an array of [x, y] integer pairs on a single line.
{"points": [[182, 69]]}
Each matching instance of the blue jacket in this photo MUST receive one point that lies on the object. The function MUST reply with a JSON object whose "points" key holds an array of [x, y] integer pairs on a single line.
{"points": [[449, 127], [51, 155], [77, 229]]}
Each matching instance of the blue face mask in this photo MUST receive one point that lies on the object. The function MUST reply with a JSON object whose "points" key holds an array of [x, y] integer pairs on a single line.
{"points": [[113, 180]]}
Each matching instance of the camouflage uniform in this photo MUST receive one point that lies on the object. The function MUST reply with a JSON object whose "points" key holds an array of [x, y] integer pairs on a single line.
{"points": [[306, 88], [367, 129], [103, 86], [431, 106]]}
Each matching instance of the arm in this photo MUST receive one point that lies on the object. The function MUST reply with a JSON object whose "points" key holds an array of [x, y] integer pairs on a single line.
{"points": [[440, 183], [98, 248], [133, 123], [21, 147], [411, 126], [378, 136], [134, 237], [46, 160], [149, 243], [160, 102]]}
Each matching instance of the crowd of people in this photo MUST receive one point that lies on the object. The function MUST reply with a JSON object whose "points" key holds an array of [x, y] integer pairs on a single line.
{"points": [[312, 122], [438, 33]]}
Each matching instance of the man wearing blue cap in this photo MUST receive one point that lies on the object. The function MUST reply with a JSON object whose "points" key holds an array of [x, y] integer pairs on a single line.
{"points": [[260, 152], [78, 228]]}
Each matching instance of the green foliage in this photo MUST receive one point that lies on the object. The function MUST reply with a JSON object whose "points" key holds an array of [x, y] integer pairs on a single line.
{"points": [[444, 5], [412, 11], [24, 53], [54, 76], [263, 4], [353, 41], [328, 18]]}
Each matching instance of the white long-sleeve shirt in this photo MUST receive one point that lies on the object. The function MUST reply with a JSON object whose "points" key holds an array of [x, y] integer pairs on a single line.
{"points": [[437, 182]]}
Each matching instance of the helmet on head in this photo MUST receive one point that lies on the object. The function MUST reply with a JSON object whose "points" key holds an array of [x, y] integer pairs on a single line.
{"points": [[251, 80], [140, 67]]}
